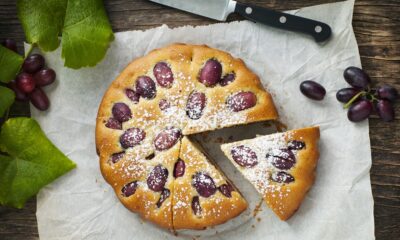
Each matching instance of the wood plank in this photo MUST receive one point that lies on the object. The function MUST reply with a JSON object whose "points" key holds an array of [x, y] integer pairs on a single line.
{"points": [[377, 28]]}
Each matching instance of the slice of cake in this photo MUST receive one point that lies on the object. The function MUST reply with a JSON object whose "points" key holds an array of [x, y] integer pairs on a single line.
{"points": [[145, 184], [203, 196], [281, 166]]}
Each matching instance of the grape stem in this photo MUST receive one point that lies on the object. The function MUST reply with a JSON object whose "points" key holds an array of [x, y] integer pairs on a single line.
{"points": [[349, 103]]}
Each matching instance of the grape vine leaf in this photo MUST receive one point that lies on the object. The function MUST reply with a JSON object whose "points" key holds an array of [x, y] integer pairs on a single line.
{"points": [[28, 161], [10, 63], [42, 21], [86, 31], [86, 34], [7, 97]]}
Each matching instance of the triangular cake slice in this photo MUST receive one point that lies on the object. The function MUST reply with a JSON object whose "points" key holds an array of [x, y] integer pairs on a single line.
{"points": [[203, 196], [225, 93], [281, 166], [145, 184]]}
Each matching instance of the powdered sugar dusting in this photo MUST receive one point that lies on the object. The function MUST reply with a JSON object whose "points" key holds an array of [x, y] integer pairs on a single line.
{"points": [[260, 175]]}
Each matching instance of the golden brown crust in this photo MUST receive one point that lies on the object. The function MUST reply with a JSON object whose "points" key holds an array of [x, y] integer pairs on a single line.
{"points": [[185, 62], [284, 199]]}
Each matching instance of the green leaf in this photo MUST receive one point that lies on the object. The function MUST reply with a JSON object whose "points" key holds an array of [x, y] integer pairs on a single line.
{"points": [[42, 21], [10, 63], [30, 161], [7, 97], [86, 34], [86, 31]]}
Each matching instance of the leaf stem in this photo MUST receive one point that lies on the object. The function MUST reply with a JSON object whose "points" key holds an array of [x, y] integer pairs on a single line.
{"points": [[348, 104], [7, 114]]}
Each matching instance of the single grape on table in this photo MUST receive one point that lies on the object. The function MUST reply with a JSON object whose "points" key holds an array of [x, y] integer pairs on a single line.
{"points": [[357, 77], [346, 94], [359, 111], [19, 95], [387, 92], [39, 99], [45, 77], [385, 110], [10, 44], [313, 90], [33, 63], [25, 82]]}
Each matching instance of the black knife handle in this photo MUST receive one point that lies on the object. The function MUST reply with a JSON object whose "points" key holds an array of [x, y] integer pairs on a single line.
{"points": [[319, 30]]}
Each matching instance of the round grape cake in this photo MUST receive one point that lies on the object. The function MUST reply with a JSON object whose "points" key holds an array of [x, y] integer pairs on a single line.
{"points": [[143, 121]]}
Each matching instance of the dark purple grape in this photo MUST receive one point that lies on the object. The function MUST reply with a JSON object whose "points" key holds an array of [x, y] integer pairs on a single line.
{"points": [[242, 101], [167, 138], [387, 92], [356, 77], [282, 177], [195, 105], [228, 78], [359, 111], [163, 74], [203, 184], [283, 159], [244, 156], [121, 112], [45, 77], [129, 189], [157, 178], [10, 44], [211, 73], [132, 137], [146, 87], [312, 90], [296, 145], [196, 206], [346, 94], [226, 189], [164, 104], [19, 95], [33, 63], [385, 110], [25, 82], [132, 95], [179, 168], [113, 123], [39, 99], [164, 195], [115, 157]]}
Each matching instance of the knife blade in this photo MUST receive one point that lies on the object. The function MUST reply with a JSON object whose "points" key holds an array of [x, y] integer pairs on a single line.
{"points": [[215, 9], [220, 9]]}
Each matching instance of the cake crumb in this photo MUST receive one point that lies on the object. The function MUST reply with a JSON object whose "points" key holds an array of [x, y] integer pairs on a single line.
{"points": [[257, 209]]}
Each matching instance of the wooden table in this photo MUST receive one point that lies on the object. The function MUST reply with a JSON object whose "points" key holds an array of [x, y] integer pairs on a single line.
{"points": [[377, 28]]}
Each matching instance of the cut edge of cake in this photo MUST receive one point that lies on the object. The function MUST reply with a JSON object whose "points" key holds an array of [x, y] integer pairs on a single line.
{"points": [[280, 166], [203, 196]]}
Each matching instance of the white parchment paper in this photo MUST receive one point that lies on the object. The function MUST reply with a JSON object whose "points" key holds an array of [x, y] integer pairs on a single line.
{"points": [[80, 205]]}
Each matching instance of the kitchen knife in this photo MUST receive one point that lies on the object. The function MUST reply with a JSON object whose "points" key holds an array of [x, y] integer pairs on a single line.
{"points": [[220, 9]]}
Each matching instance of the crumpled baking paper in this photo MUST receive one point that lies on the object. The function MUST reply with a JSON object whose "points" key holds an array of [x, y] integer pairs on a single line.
{"points": [[80, 205]]}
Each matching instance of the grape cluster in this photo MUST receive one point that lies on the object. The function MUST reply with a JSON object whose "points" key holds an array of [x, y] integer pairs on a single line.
{"points": [[33, 76], [362, 99]]}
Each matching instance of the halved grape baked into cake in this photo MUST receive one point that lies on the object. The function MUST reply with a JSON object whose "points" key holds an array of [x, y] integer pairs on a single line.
{"points": [[281, 166], [175, 91]]}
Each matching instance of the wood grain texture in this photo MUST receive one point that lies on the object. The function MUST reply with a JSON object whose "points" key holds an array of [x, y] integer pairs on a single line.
{"points": [[377, 28]]}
